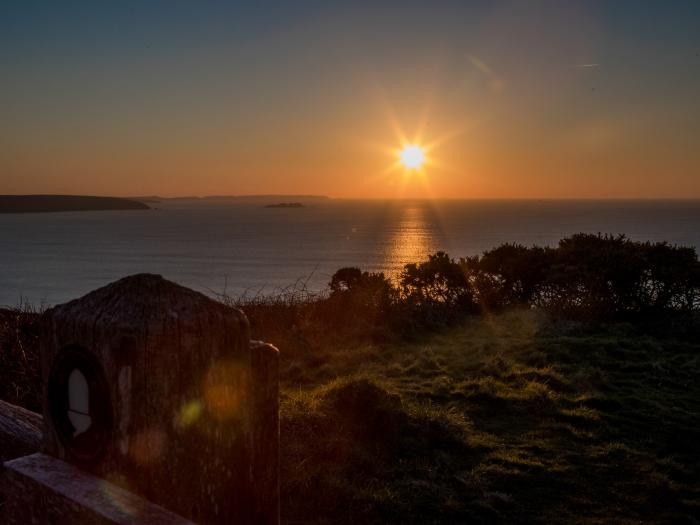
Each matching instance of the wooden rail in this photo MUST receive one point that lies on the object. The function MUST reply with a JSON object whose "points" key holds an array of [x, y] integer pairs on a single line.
{"points": [[20, 431]]}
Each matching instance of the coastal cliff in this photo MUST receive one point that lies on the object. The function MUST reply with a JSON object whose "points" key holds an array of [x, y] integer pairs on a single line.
{"points": [[55, 203]]}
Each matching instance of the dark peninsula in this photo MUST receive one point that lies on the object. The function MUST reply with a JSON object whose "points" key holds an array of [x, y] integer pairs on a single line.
{"points": [[285, 205], [55, 203]]}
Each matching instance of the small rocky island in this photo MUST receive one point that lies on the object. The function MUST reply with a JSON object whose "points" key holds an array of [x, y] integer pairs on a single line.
{"points": [[55, 203], [285, 205]]}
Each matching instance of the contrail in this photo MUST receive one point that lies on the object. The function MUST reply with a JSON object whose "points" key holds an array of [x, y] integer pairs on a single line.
{"points": [[495, 82], [586, 65]]}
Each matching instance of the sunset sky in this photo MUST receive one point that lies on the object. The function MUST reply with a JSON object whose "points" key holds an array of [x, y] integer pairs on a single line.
{"points": [[516, 99]]}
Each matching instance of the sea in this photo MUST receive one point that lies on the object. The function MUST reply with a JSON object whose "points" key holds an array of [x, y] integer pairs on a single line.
{"points": [[241, 248]]}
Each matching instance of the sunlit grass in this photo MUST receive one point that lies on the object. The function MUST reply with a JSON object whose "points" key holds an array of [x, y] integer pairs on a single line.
{"points": [[510, 418]]}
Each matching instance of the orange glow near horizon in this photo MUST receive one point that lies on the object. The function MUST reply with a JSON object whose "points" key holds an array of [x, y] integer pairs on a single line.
{"points": [[322, 102]]}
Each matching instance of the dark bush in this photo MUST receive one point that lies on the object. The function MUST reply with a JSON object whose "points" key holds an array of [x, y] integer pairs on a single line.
{"points": [[584, 277], [19, 357], [345, 279], [672, 278], [436, 290], [588, 276], [359, 301], [510, 275], [594, 276]]}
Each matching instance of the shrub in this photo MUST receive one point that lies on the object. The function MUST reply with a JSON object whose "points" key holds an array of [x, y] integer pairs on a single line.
{"points": [[588, 276], [509, 275], [584, 277], [437, 289], [19, 357], [359, 302], [672, 278]]}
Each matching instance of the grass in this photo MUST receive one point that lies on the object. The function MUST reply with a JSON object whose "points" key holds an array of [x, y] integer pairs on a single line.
{"points": [[507, 418], [510, 418], [19, 357]]}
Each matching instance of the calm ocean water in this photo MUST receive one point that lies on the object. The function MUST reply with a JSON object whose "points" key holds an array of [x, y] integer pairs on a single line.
{"points": [[217, 246]]}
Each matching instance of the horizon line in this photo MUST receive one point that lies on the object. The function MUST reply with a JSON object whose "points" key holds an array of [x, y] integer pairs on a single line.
{"points": [[330, 197]]}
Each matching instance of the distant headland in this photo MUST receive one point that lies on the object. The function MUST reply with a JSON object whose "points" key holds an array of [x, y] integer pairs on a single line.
{"points": [[280, 198], [285, 205], [57, 203]]}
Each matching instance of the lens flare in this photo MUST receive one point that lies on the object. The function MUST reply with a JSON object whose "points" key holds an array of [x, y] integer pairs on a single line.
{"points": [[189, 413], [224, 388]]}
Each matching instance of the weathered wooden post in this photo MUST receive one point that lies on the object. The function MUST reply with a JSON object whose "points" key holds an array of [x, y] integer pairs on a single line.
{"points": [[158, 390]]}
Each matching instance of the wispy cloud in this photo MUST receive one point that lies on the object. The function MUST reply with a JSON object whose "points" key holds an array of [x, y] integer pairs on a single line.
{"points": [[495, 83], [587, 65]]}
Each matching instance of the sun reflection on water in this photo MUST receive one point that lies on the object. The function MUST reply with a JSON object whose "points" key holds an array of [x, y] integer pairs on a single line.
{"points": [[413, 238]]}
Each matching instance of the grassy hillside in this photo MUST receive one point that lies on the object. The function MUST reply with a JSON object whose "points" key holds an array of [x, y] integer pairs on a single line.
{"points": [[508, 418]]}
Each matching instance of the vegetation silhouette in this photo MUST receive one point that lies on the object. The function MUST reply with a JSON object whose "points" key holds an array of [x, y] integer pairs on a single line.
{"points": [[585, 277]]}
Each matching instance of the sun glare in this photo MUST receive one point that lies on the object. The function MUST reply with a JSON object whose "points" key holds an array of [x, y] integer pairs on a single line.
{"points": [[412, 157]]}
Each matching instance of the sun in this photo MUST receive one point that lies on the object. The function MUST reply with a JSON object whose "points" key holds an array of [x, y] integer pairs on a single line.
{"points": [[412, 157]]}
